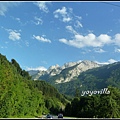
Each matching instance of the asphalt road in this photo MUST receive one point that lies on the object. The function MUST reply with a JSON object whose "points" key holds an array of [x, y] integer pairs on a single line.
{"points": [[56, 117]]}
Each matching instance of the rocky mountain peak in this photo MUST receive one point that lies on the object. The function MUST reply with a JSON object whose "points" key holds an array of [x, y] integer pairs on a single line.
{"points": [[69, 64], [54, 67], [75, 72], [75, 69]]}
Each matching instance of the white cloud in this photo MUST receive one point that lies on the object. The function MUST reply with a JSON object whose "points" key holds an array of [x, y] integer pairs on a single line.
{"points": [[66, 19], [38, 21], [79, 17], [104, 39], [71, 29], [89, 40], [42, 6], [14, 35], [5, 5], [42, 39], [41, 68], [117, 50], [117, 39], [90, 31], [63, 13], [17, 19], [99, 50], [66, 15], [78, 24], [110, 61], [103, 63]]}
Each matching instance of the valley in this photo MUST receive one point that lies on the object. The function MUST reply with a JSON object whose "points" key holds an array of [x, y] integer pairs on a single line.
{"points": [[22, 96], [78, 76]]}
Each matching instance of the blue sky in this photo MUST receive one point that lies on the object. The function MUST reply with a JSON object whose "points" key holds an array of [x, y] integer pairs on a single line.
{"points": [[41, 34]]}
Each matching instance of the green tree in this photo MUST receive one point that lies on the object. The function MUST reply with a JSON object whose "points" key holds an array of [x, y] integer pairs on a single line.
{"points": [[110, 104]]}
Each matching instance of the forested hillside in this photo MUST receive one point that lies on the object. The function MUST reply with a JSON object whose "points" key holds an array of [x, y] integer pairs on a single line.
{"points": [[22, 97], [96, 106], [78, 77], [93, 79]]}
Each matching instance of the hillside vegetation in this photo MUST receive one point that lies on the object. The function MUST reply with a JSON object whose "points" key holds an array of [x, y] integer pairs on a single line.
{"points": [[96, 106], [93, 79], [86, 75], [22, 97]]}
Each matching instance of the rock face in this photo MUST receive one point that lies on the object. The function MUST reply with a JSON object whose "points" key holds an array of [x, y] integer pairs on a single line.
{"points": [[75, 72], [71, 71], [54, 70]]}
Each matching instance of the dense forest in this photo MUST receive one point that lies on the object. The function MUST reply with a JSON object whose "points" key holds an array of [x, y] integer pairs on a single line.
{"points": [[22, 97], [92, 79], [96, 106]]}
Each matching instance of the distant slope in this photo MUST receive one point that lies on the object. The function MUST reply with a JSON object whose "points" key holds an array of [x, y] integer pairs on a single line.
{"points": [[93, 79], [85, 75], [66, 73]]}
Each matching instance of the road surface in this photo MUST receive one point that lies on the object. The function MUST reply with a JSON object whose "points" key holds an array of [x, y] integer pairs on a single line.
{"points": [[56, 117]]}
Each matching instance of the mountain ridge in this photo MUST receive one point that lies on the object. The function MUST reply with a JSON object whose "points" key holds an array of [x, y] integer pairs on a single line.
{"points": [[85, 75], [74, 68]]}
